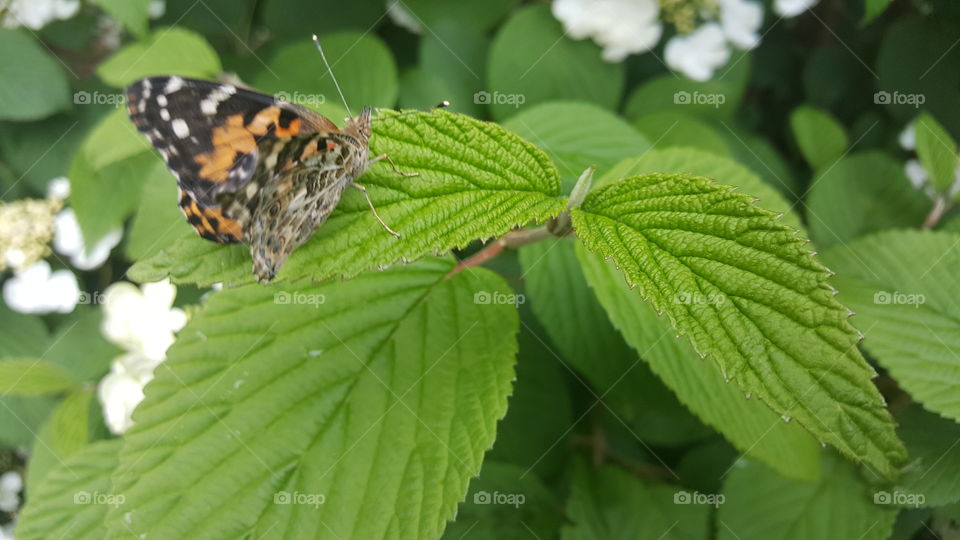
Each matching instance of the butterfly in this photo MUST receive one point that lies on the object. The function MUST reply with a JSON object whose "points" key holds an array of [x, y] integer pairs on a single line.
{"points": [[250, 167]]}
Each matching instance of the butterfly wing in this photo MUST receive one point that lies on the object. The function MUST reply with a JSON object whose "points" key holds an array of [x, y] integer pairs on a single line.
{"points": [[210, 136]]}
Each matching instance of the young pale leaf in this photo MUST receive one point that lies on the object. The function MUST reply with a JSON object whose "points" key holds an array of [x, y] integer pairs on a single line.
{"points": [[937, 151], [905, 288], [746, 290], [355, 409], [747, 423], [32, 377], [821, 139], [476, 180], [73, 499], [611, 504], [759, 504]]}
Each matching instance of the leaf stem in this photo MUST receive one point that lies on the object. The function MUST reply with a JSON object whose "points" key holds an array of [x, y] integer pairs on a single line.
{"points": [[513, 239], [940, 207]]}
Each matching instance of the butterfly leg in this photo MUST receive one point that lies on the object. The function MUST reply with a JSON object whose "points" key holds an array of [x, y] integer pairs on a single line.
{"points": [[392, 165], [374, 210]]}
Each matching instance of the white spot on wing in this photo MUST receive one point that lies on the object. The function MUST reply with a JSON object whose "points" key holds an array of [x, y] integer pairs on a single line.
{"points": [[165, 114], [180, 128], [173, 84], [209, 104], [162, 100]]}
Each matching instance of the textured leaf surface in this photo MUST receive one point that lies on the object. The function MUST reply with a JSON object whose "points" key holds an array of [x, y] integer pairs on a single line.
{"points": [[379, 395], [57, 509], [748, 424], [746, 290], [476, 180], [905, 288], [611, 504], [762, 505]]}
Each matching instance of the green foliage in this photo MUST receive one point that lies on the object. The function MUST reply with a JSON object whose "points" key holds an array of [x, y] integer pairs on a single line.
{"points": [[934, 470], [937, 152], [821, 139], [169, 51], [132, 13], [32, 376], [41, 85]]}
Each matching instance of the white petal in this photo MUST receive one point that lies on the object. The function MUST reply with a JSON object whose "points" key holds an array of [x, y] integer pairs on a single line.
{"points": [[58, 188], [741, 20], [698, 54], [908, 137], [67, 238], [119, 394], [792, 8], [93, 258], [36, 290], [916, 173]]}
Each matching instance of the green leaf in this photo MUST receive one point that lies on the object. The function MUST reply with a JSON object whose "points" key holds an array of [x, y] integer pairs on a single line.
{"points": [[937, 152], [33, 377], [78, 344], [670, 128], [476, 180], [761, 157], [132, 13], [763, 505], [746, 290], [455, 51], [822, 140], [904, 287], [41, 87], [21, 418], [21, 335], [363, 64], [103, 198], [748, 424], [873, 9], [576, 322], [168, 51], [65, 432], [578, 135], [483, 15], [533, 61], [610, 504], [317, 17], [700, 163], [364, 395], [717, 98], [934, 470], [114, 139], [506, 502], [158, 221], [73, 499], [419, 89], [863, 193]]}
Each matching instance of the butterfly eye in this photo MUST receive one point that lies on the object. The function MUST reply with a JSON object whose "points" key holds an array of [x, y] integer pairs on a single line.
{"points": [[274, 210]]}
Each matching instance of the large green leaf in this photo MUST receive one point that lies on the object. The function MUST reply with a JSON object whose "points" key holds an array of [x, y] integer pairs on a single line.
{"points": [[717, 98], [35, 83], [610, 504], [532, 60], [476, 180], [747, 423], [167, 51], [65, 432], [578, 135], [746, 290], [934, 470], [355, 409], [132, 13], [862, 193], [483, 15], [763, 505], [821, 139], [33, 376], [673, 128], [937, 151], [905, 289]]}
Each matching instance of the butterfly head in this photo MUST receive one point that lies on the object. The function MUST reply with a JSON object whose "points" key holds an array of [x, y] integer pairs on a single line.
{"points": [[359, 126]]}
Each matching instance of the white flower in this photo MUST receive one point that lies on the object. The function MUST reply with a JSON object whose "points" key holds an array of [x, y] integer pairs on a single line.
{"points": [[916, 173], [142, 321], [58, 188], [38, 290], [35, 14], [792, 8], [10, 485], [741, 19], [68, 240], [157, 8], [402, 17], [698, 54], [908, 137], [6, 533], [122, 389], [621, 27]]}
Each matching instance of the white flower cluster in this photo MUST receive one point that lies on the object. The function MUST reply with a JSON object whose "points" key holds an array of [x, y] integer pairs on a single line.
{"points": [[38, 289], [624, 27], [142, 321], [35, 14]]}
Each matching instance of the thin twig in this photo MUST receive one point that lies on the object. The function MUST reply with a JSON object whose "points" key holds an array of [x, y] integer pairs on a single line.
{"points": [[513, 239]]}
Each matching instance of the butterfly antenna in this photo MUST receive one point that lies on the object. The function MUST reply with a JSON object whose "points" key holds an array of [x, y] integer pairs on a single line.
{"points": [[332, 76]]}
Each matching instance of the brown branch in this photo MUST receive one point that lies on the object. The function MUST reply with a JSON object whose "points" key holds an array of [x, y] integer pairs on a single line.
{"points": [[513, 239]]}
